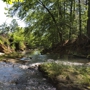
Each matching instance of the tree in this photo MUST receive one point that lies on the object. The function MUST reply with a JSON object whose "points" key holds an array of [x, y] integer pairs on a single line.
{"points": [[80, 27], [53, 21], [12, 1], [4, 28], [71, 17], [13, 26], [88, 21]]}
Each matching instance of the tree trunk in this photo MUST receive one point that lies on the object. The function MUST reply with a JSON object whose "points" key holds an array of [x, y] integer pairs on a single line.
{"points": [[88, 21], [70, 31], [80, 26], [54, 20]]}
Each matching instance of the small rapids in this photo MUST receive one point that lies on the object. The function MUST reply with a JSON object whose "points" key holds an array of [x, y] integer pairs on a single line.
{"points": [[22, 77]]}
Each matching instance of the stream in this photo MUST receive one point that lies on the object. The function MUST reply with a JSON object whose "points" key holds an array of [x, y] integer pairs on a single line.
{"points": [[15, 76], [22, 77]]}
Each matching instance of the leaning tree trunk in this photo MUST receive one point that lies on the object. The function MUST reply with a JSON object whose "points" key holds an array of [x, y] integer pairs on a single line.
{"points": [[54, 20]]}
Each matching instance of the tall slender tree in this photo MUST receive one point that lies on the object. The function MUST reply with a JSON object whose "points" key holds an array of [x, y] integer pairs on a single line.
{"points": [[80, 27], [88, 21], [71, 16]]}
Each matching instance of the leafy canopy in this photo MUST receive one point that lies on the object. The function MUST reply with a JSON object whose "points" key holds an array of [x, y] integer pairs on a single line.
{"points": [[49, 21], [12, 1]]}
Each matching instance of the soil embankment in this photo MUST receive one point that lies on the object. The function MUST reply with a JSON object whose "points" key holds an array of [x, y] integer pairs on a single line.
{"points": [[79, 47]]}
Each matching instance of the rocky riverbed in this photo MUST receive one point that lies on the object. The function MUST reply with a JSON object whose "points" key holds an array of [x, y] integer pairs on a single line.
{"points": [[15, 76], [23, 74]]}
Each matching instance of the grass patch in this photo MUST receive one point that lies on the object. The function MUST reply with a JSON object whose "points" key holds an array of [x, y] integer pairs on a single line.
{"points": [[71, 74], [13, 55]]}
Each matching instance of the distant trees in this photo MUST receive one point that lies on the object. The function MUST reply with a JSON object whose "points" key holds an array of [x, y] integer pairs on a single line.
{"points": [[4, 28], [14, 34]]}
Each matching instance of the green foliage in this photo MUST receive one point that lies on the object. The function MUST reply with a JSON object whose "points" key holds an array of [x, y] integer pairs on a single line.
{"points": [[18, 37], [14, 32], [49, 21], [53, 69], [81, 74], [4, 28], [12, 1], [1, 42], [13, 55], [4, 40]]}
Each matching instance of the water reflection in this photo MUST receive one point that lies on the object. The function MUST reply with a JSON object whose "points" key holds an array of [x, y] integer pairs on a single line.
{"points": [[35, 56], [44, 58]]}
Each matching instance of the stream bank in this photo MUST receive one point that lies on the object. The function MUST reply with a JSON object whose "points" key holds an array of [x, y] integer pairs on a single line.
{"points": [[67, 76], [22, 73]]}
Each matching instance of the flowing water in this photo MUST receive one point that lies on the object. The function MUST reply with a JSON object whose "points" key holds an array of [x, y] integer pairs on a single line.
{"points": [[22, 77], [27, 77]]}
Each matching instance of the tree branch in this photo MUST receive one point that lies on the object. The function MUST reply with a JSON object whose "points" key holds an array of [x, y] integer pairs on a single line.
{"points": [[54, 20]]}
